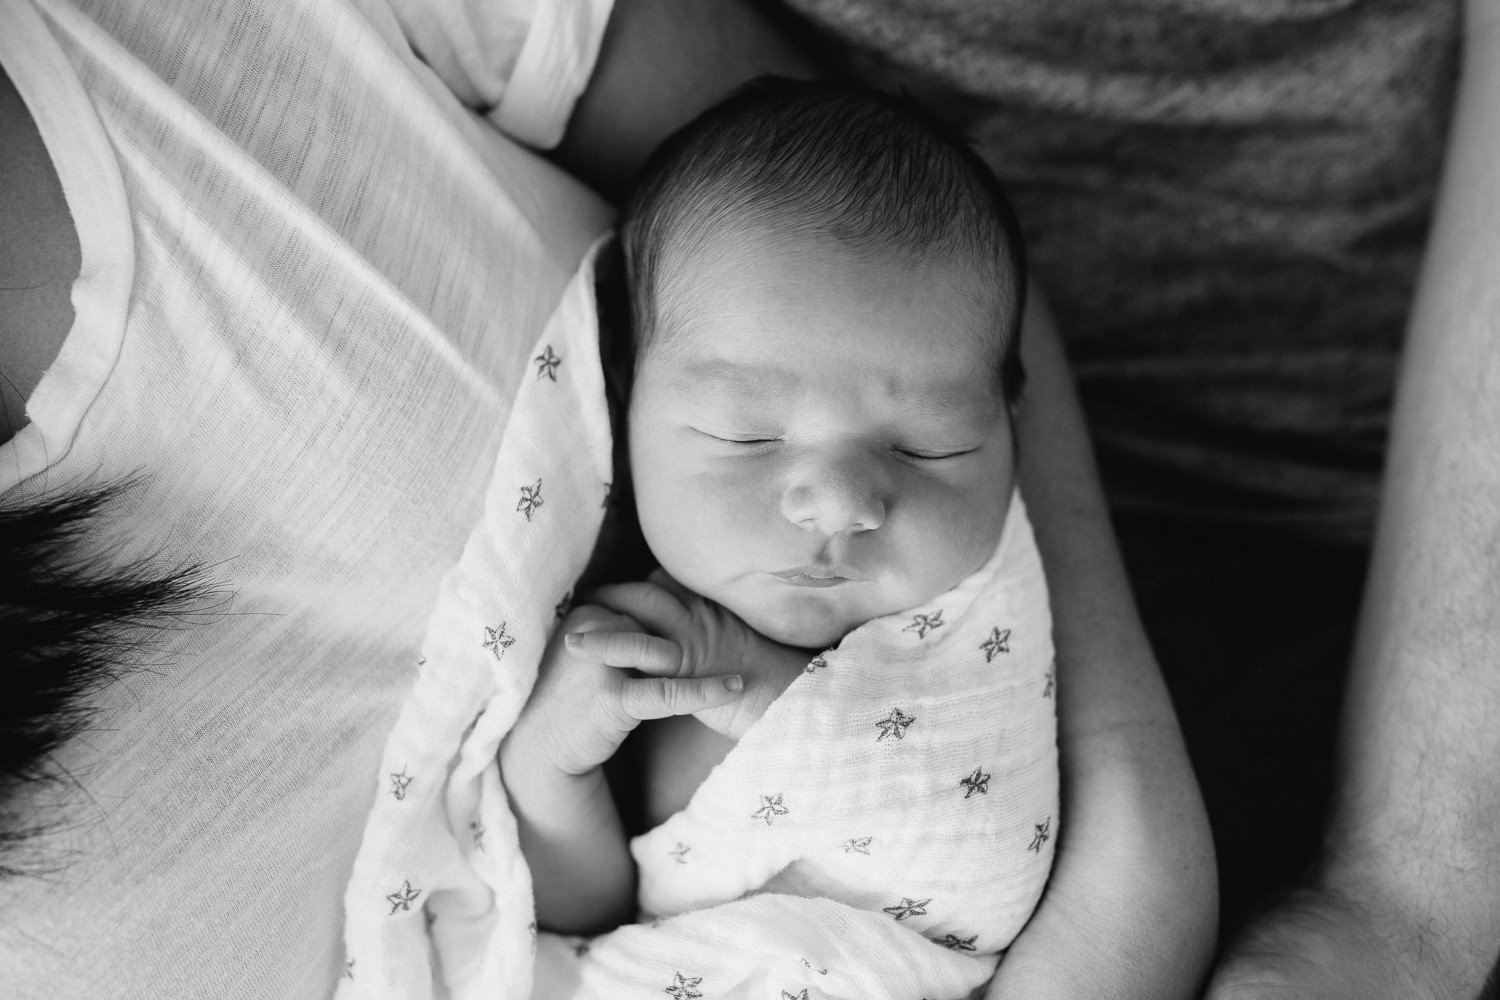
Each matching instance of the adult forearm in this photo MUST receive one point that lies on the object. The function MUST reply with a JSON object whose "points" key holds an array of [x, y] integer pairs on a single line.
{"points": [[1131, 910], [1417, 827], [582, 874], [661, 63]]}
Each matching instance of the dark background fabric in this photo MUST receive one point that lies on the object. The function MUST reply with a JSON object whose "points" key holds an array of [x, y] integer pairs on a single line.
{"points": [[1253, 634], [1225, 204]]}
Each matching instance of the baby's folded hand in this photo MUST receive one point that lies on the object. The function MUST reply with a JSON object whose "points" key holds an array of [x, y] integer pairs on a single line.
{"points": [[707, 639], [588, 696]]}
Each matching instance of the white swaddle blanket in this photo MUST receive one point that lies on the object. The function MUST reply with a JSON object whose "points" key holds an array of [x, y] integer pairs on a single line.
{"points": [[883, 831]]}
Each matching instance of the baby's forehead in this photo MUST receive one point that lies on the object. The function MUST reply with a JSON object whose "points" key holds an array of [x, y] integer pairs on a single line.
{"points": [[774, 318], [693, 286], [700, 261]]}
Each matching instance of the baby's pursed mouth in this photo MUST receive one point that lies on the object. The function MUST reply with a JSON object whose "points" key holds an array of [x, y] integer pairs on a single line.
{"points": [[815, 576]]}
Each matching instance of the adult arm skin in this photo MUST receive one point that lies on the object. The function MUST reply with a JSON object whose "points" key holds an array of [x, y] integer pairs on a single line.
{"points": [[39, 258], [661, 63], [1131, 908], [1407, 900]]}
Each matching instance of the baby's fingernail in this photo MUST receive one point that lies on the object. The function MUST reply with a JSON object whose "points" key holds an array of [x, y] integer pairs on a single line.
{"points": [[573, 639], [733, 682]]}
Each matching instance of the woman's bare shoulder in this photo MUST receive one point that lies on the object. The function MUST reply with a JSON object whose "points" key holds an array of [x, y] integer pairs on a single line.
{"points": [[39, 259]]}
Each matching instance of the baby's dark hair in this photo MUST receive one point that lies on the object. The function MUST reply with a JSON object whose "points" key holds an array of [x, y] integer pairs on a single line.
{"points": [[803, 158]]}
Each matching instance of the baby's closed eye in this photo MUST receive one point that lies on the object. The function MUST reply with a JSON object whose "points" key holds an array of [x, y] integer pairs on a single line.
{"points": [[729, 437], [934, 454]]}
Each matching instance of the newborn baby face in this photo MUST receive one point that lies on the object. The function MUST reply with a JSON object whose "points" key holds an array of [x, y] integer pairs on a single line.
{"points": [[817, 436]]}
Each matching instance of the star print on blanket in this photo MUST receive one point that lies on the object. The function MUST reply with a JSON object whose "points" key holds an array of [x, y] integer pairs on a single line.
{"points": [[884, 831]]}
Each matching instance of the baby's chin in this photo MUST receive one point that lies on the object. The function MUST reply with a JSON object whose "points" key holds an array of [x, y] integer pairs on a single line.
{"points": [[807, 628], [819, 618]]}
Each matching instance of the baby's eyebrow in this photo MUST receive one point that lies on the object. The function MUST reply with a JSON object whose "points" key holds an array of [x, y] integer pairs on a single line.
{"points": [[952, 401], [738, 378]]}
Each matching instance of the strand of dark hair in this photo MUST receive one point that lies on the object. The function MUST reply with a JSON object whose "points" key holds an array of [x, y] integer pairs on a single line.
{"points": [[67, 630]]}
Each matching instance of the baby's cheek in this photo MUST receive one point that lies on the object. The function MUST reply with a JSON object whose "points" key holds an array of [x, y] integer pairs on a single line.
{"points": [[737, 491], [698, 521], [951, 536]]}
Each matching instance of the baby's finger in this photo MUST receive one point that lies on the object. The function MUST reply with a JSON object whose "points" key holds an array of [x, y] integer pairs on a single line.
{"points": [[667, 582], [646, 653], [592, 618], [656, 608], [659, 697]]}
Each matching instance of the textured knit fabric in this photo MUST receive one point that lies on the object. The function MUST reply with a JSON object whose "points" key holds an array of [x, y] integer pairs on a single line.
{"points": [[1224, 202], [312, 283], [883, 831]]}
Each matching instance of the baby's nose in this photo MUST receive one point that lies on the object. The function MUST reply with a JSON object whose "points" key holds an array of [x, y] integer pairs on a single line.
{"points": [[834, 497]]}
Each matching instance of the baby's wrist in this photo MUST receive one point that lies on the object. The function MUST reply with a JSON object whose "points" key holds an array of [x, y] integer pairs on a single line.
{"points": [[526, 767], [544, 792]]}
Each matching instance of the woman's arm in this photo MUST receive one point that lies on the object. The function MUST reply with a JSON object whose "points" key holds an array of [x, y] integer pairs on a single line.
{"points": [[1407, 903], [661, 63], [1132, 905], [39, 258]]}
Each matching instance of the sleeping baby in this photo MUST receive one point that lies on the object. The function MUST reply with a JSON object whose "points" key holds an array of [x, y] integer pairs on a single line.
{"points": [[840, 679]]}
